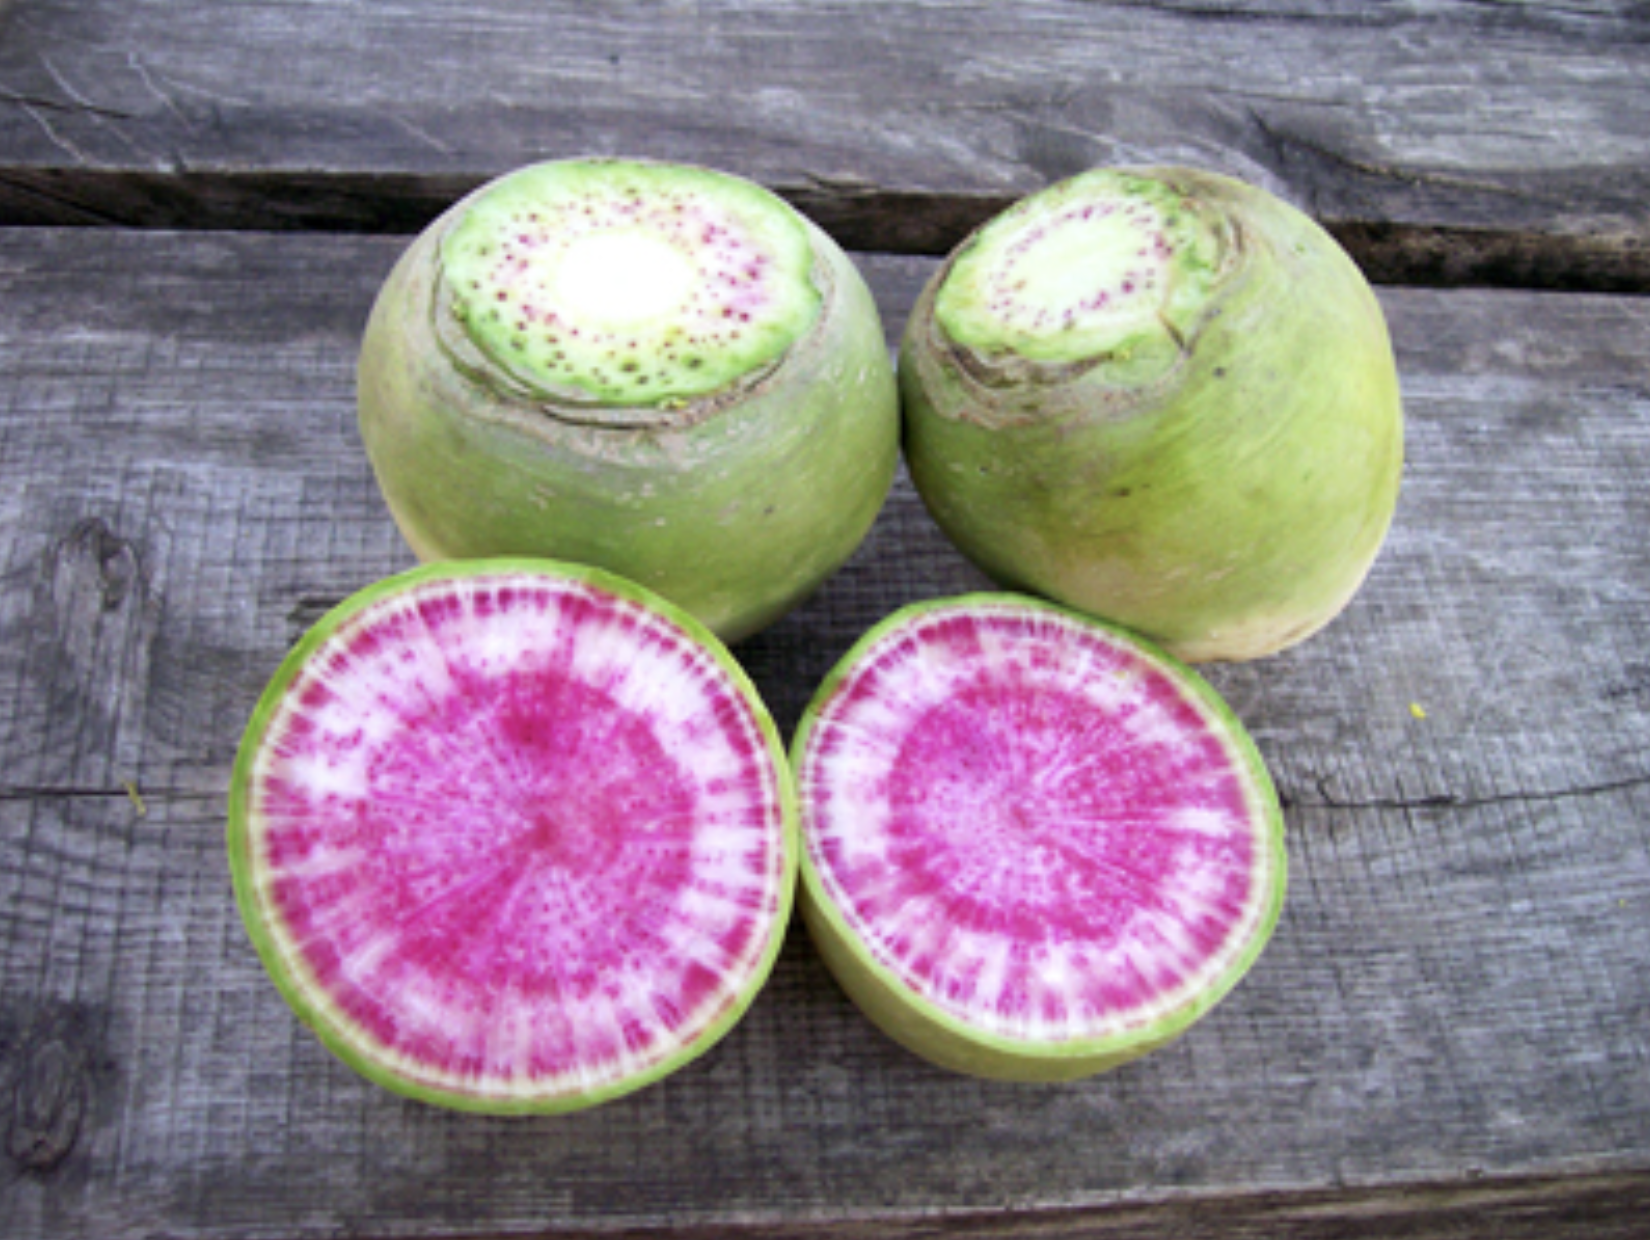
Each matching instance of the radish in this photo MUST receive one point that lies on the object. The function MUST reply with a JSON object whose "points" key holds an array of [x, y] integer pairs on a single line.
{"points": [[659, 370], [1034, 846], [513, 836], [1163, 397]]}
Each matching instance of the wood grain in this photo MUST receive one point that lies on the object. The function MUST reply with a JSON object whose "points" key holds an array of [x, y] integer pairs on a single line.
{"points": [[1446, 142], [1450, 1033]]}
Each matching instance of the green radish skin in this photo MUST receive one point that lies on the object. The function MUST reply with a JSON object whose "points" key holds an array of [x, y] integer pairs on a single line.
{"points": [[600, 629], [1215, 465], [846, 791], [735, 501]]}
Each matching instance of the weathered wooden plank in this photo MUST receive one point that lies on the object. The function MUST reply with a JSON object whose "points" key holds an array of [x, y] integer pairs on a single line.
{"points": [[1451, 1024], [1445, 141]]}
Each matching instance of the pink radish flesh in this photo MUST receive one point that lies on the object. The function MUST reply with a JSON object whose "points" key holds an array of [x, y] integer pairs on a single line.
{"points": [[1035, 825], [514, 836]]}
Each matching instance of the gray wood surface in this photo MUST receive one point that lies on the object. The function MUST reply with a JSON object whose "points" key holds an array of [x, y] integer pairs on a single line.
{"points": [[1445, 141], [1449, 1035]]}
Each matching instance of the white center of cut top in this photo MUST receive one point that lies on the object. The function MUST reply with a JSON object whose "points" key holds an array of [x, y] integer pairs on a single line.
{"points": [[1093, 267], [617, 278]]}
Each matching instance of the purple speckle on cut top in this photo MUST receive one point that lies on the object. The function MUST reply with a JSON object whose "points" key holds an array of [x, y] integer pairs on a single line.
{"points": [[1008, 290]]}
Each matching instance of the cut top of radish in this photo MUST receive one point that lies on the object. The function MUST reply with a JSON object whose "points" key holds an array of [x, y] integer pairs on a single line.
{"points": [[512, 836], [1043, 830], [622, 283], [1112, 269]]}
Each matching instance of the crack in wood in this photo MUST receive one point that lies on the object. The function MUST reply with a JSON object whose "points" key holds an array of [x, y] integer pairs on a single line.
{"points": [[1449, 800], [73, 107], [148, 795], [1283, 141]]}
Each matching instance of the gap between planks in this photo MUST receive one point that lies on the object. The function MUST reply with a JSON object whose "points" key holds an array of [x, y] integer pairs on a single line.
{"points": [[859, 216]]}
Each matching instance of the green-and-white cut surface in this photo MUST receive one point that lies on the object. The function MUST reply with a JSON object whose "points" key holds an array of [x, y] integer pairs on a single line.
{"points": [[1043, 834], [619, 283], [512, 836], [1104, 265]]}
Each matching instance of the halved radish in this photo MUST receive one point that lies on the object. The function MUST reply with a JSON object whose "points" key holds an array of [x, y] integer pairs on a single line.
{"points": [[513, 835], [1034, 846]]}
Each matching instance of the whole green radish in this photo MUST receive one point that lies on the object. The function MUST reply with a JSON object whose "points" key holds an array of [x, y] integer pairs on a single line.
{"points": [[659, 370], [1163, 397]]}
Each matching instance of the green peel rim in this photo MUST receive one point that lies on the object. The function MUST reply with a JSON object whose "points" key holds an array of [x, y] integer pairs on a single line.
{"points": [[1009, 1058], [264, 939]]}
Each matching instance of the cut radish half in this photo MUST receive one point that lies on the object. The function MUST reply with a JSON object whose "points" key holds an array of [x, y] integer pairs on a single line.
{"points": [[1034, 846], [512, 835]]}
